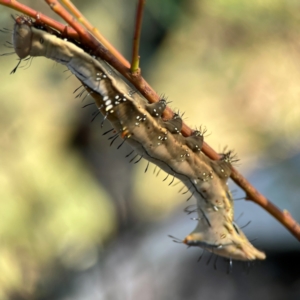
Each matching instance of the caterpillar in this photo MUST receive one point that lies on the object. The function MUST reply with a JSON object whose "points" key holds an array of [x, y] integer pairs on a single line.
{"points": [[140, 124]]}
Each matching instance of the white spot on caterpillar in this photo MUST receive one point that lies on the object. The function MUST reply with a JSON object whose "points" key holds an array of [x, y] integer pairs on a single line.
{"points": [[108, 108]]}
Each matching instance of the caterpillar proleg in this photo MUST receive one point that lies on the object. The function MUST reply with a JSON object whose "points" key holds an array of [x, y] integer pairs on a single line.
{"points": [[158, 141]]}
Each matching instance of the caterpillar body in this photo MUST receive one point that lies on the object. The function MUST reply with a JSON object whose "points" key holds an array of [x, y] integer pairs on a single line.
{"points": [[141, 125]]}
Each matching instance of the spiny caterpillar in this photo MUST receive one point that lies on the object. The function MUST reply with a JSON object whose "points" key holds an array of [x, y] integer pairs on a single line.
{"points": [[159, 141]]}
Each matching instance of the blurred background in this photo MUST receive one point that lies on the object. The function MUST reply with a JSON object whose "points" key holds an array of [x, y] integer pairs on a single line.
{"points": [[78, 221]]}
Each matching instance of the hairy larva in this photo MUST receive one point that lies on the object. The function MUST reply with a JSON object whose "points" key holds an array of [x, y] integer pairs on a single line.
{"points": [[140, 124]]}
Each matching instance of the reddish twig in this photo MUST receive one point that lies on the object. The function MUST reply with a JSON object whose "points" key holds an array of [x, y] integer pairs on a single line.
{"points": [[80, 17], [39, 16], [92, 43], [135, 61], [89, 41]]}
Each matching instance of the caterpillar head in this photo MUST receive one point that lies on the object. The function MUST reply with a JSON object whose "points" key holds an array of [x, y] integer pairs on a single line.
{"points": [[22, 38], [31, 41]]}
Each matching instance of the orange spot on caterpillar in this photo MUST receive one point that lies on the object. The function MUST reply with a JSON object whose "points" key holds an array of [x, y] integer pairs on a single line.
{"points": [[125, 134]]}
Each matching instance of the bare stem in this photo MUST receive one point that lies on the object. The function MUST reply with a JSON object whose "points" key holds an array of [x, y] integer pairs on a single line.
{"points": [[39, 16], [135, 61], [80, 17], [91, 42]]}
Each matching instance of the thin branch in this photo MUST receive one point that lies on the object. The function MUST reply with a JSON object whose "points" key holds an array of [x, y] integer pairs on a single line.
{"points": [[39, 16], [135, 61], [61, 11], [80, 17], [89, 41], [284, 217]]}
